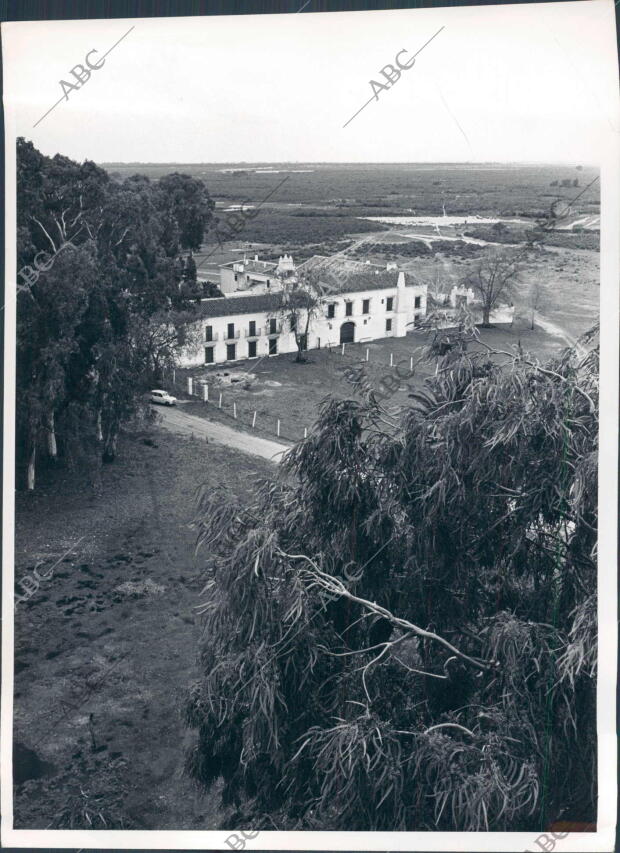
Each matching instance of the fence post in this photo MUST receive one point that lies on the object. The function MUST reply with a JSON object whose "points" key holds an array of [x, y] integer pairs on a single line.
{"points": [[278, 428], [220, 403], [205, 393], [305, 432], [411, 363], [343, 349], [367, 353], [190, 389], [254, 419], [391, 359], [234, 410]]}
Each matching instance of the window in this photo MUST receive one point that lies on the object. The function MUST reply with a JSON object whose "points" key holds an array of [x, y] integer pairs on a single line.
{"points": [[209, 355], [236, 277], [303, 342], [252, 328], [273, 326], [348, 309], [209, 333], [388, 325], [366, 306], [251, 349], [230, 352], [273, 346], [331, 310], [389, 303], [230, 330], [417, 302]]}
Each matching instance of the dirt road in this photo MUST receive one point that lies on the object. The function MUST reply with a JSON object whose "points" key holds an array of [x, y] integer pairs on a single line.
{"points": [[176, 420], [555, 330]]}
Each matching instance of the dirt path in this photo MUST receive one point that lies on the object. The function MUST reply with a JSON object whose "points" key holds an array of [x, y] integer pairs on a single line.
{"points": [[176, 420], [557, 331]]}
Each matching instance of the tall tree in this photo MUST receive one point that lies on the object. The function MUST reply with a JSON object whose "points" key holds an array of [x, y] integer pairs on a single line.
{"points": [[493, 279], [301, 304], [98, 269], [400, 632], [188, 211]]}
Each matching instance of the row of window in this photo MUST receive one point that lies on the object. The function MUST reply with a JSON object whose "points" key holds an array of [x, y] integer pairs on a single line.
{"points": [[231, 351], [253, 330], [348, 306]]}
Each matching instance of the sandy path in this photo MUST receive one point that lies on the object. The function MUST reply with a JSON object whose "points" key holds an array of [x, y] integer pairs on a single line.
{"points": [[558, 332], [176, 420]]}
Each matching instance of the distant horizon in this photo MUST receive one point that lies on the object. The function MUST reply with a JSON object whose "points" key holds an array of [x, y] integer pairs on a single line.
{"points": [[347, 163]]}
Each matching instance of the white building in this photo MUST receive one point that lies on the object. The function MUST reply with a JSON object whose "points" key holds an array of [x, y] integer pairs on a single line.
{"points": [[254, 276], [360, 303]]}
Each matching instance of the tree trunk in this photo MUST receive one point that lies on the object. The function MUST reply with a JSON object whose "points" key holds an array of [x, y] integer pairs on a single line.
{"points": [[51, 438], [486, 314], [99, 431], [31, 462], [109, 447]]}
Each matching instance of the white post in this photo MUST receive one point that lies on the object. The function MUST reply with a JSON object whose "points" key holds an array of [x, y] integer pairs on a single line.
{"points": [[278, 428], [234, 410], [391, 359], [305, 432], [343, 349], [411, 363], [205, 393], [367, 353], [254, 420], [189, 385], [436, 368], [220, 403]]}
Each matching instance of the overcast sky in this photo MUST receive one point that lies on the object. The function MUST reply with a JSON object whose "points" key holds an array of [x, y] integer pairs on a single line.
{"points": [[505, 83]]}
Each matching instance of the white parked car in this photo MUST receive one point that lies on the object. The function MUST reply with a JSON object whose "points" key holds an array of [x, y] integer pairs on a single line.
{"points": [[163, 398]]}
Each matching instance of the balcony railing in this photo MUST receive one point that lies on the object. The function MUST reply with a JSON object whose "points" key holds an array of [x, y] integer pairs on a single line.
{"points": [[252, 334], [235, 335], [271, 331], [215, 336]]}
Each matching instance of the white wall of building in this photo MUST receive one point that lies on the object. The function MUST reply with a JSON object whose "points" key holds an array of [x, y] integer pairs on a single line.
{"points": [[371, 324]]}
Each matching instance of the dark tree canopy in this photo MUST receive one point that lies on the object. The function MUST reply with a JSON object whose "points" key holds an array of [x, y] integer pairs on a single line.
{"points": [[401, 629], [98, 277]]}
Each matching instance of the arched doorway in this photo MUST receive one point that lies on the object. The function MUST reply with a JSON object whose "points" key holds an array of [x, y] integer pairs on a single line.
{"points": [[347, 333]]}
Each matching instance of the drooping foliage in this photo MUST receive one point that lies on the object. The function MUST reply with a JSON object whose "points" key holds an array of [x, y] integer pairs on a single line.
{"points": [[99, 302], [400, 631]]}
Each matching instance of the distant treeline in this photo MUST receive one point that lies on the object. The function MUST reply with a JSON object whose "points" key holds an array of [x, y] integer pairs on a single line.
{"points": [[104, 293], [419, 249]]}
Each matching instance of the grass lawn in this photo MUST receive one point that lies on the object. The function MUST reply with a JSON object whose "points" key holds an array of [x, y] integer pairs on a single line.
{"points": [[113, 633]]}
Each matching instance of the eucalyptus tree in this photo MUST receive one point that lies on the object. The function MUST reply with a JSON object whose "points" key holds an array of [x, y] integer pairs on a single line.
{"points": [[400, 630], [110, 273]]}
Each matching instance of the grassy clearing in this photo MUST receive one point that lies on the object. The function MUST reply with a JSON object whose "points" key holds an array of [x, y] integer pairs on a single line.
{"points": [[113, 632]]}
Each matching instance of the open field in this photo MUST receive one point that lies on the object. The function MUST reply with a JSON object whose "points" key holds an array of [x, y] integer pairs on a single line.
{"points": [[320, 202], [113, 632], [369, 189]]}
